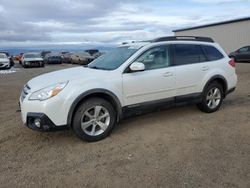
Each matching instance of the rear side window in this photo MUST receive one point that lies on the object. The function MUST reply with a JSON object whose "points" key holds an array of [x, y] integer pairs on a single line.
{"points": [[188, 54], [244, 49], [212, 53]]}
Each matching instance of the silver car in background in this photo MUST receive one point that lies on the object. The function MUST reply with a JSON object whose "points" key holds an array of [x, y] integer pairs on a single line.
{"points": [[4, 61], [32, 60], [82, 58]]}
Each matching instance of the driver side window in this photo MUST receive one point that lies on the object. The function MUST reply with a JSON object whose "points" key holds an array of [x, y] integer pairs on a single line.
{"points": [[155, 58]]}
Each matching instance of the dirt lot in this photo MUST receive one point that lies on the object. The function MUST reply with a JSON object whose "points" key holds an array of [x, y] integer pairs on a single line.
{"points": [[179, 147]]}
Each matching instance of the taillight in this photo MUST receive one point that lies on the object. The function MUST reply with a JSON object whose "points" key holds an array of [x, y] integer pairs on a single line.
{"points": [[232, 62]]}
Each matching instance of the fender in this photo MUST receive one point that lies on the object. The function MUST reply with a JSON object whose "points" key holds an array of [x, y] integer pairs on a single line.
{"points": [[225, 85], [89, 93]]}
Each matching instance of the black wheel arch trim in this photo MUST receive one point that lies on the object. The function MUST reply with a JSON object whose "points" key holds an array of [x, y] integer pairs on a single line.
{"points": [[225, 86], [92, 92]]}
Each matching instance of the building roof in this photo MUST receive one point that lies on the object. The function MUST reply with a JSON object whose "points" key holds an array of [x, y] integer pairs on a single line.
{"points": [[213, 24]]}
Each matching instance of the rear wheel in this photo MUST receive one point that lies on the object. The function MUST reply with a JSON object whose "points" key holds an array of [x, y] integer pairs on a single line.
{"points": [[94, 119], [212, 98]]}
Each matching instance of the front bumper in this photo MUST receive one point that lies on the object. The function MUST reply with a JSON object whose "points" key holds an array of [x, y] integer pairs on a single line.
{"points": [[33, 63], [45, 124], [4, 65], [54, 109]]}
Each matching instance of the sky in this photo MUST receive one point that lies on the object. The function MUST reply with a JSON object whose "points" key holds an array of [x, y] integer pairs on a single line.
{"points": [[34, 23]]}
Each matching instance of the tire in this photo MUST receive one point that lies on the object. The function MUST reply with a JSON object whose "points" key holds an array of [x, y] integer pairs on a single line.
{"points": [[212, 98], [94, 119]]}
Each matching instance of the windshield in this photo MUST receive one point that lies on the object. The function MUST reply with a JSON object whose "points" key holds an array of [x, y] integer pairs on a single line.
{"points": [[113, 59], [32, 55], [3, 56]]}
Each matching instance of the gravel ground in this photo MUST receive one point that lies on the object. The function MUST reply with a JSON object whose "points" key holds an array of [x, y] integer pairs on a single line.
{"points": [[178, 147]]}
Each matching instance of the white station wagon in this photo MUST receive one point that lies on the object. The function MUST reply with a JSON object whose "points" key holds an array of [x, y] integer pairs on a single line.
{"points": [[129, 80]]}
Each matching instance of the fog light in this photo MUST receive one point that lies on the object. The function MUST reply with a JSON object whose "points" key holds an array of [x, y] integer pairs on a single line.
{"points": [[37, 122]]}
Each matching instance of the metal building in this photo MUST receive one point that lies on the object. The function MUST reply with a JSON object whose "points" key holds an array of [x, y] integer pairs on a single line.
{"points": [[231, 35]]}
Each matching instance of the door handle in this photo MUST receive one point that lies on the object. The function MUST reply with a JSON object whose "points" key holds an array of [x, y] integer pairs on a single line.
{"points": [[167, 74], [205, 68]]}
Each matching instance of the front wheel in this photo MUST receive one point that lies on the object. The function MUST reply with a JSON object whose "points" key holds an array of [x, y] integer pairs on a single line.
{"points": [[212, 98], [94, 119]]}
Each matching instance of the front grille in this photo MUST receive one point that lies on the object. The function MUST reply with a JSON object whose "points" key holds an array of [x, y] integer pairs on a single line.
{"points": [[35, 63], [25, 92]]}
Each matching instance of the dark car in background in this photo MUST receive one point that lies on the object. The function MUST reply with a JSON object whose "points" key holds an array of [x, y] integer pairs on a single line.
{"points": [[53, 58], [44, 53], [94, 52], [241, 55]]}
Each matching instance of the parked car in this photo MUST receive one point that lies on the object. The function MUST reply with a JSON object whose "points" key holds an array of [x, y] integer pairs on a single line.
{"points": [[94, 52], [67, 57], [53, 58], [129, 80], [242, 54], [11, 58], [44, 53], [32, 60], [4, 61], [82, 58]]}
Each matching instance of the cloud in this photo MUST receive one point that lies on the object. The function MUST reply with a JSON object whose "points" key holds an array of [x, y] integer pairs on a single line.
{"points": [[29, 22]]}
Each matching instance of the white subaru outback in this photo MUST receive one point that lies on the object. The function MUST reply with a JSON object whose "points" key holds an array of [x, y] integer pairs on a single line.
{"points": [[129, 80]]}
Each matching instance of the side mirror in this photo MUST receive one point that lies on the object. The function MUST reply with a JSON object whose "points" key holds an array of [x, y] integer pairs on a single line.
{"points": [[137, 66]]}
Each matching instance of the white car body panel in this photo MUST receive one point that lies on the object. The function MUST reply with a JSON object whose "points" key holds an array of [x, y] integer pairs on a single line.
{"points": [[148, 85]]}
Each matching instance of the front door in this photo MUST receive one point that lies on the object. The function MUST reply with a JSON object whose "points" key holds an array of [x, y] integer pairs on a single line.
{"points": [[155, 83]]}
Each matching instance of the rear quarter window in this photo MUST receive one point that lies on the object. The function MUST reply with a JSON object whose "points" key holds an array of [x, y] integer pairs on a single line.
{"points": [[212, 53]]}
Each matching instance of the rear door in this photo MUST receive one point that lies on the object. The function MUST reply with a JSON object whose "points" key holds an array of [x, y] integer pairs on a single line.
{"points": [[191, 67]]}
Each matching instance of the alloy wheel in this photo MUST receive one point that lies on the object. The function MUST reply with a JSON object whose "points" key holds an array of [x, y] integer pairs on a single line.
{"points": [[213, 98], [95, 120]]}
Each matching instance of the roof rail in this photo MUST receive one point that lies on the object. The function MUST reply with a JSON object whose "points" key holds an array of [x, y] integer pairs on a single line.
{"points": [[186, 38]]}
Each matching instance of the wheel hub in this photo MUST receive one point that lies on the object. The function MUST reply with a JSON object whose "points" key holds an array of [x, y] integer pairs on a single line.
{"points": [[95, 120]]}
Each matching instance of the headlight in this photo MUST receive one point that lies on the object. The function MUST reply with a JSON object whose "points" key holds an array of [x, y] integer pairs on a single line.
{"points": [[48, 92]]}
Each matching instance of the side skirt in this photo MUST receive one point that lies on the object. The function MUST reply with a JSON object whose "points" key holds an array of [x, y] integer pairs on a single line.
{"points": [[152, 106]]}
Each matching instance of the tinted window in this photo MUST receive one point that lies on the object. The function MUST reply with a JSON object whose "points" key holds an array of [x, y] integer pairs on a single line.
{"points": [[188, 54], [212, 53], [3, 56], [32, 55], [155, 58], [245, 49]]}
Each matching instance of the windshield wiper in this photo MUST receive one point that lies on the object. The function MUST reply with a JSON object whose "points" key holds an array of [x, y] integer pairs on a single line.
{"points": [[98, 68]]}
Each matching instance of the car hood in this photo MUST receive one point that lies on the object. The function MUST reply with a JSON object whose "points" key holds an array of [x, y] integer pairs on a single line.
{"points": [[33, 59], [4, 60], [60, 76]]}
